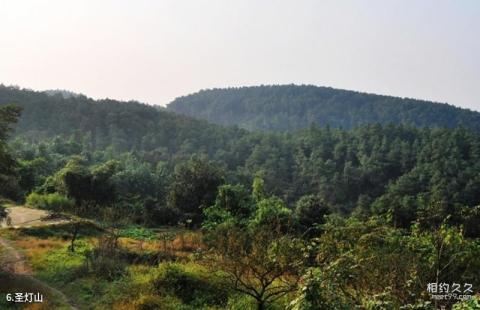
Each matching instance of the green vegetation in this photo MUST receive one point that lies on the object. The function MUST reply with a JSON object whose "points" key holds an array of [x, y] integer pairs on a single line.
{"points": [[137, 232], [292, 107], [53, 202], [174, 213]]}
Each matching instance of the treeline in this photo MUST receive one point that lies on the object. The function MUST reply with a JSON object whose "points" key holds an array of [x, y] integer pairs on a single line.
{"points": [[291, 107]]}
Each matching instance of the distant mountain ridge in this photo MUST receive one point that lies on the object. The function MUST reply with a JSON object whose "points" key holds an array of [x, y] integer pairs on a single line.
{"points": [[292, 107]]}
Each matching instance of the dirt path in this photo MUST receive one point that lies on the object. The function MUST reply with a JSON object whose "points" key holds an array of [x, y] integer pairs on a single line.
{"points": [[12, 260], [15, 264], [28, 217]]}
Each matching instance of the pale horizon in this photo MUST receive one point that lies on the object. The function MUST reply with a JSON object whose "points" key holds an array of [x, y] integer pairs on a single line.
{"points": [[155, 51]]}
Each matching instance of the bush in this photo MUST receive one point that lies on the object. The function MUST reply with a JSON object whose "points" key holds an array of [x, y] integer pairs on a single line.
{"points": [[105, 260], [190, 286], [52, 202]]}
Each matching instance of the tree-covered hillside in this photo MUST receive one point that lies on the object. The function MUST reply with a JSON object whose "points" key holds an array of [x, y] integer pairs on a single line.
{"points": [[401, 170], [122, 126], [319, 218], [291, 107]]}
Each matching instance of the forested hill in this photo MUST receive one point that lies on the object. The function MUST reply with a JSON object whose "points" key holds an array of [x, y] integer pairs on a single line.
{"points": [[401, 171], [291, 107], [122, 126]]}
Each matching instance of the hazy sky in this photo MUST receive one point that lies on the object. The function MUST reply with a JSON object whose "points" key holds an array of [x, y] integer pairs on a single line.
{"points": [[154, 51]]}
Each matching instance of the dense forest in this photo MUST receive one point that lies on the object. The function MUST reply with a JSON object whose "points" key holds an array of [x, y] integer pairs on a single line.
{"points": [[291, 107], [319, 218]]}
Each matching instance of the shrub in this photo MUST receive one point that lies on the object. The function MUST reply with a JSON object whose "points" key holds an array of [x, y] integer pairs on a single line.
{"points": [[52, 202], [105, 260]]}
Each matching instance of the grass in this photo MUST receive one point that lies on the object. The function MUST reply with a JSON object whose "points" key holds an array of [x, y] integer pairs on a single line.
{"points": [[178, 282], [138, 233], [63, 231]]}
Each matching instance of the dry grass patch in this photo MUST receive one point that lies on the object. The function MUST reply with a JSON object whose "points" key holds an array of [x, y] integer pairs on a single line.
{"points": [[34, 247]]}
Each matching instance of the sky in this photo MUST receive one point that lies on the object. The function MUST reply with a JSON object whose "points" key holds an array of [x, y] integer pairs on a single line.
{"points": [[156, 50]]}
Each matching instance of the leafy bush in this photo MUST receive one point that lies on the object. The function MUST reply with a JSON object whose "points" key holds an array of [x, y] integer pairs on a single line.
{"points": [[104, 266], [53, 202], [473, 303]]}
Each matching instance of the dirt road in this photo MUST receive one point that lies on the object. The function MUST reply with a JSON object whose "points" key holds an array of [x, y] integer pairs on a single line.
{"points": [[27, 217]]}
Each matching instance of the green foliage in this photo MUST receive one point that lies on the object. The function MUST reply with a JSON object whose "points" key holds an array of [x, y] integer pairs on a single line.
{"points": [[318, 293], [271, 212], [259, 262], [60, 266], [472, 304], [192, 287], [194, 187], [61, 231], [88, 188], [258, 188], [138, 233], [105, 261], [309, 212], [372, 265], [402, 172], [233, 205], [9, 115], [52, 202]]}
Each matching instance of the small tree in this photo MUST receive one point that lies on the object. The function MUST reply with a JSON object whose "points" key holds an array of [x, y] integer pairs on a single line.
{"points": [[261, 263], [233, 204], [88, 189], [194, 187], [249, 242]]}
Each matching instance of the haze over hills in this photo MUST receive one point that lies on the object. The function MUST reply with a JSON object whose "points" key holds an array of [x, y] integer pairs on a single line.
{"points": [[292, 107]]}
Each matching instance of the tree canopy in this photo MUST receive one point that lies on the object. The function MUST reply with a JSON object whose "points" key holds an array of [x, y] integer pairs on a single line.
{"points": [[293, 107]]}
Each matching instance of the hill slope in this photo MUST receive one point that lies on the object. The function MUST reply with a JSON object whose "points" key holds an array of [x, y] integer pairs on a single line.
{"points": [[291, 107], [106, 123]]}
